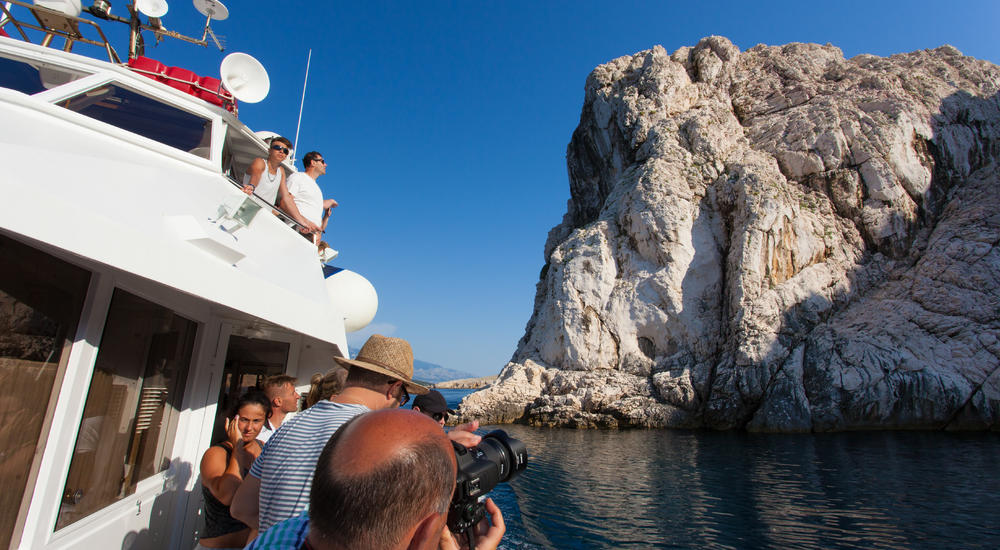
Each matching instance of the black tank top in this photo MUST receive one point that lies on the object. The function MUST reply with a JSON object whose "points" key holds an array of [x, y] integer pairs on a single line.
{"points": [[218, 522]]}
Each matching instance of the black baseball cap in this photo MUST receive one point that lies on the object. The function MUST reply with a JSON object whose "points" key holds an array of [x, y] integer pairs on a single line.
{"points": [[432, 402]]}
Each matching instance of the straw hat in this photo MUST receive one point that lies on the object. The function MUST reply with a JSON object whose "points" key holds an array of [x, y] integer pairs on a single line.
{"points": [[389, 356]]}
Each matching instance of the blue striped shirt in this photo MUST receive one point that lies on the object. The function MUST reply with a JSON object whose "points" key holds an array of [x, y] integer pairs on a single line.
{"points": [[285, 467], [284, 535]]}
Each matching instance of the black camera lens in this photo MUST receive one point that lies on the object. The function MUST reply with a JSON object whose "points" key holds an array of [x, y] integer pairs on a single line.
{"points": [[508, 454]]}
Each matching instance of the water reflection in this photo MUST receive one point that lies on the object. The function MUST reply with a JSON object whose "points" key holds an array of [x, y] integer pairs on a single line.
{"points": [[670, 489]]}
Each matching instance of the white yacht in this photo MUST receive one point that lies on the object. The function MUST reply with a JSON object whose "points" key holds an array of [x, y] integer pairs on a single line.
{"points": [[139, 286]]}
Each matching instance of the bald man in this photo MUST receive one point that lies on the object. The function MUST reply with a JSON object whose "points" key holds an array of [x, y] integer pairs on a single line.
{"points": [[379, 377], [383, 482]]}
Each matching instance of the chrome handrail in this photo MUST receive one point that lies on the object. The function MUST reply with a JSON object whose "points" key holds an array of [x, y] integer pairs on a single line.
{"points": [[285, 217], [46, 17]]}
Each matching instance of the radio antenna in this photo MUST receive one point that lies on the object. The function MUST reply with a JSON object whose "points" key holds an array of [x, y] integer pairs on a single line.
{"points": [[301, 105]]}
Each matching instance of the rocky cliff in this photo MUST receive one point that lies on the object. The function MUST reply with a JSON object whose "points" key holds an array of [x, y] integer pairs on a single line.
{"points": [[779, 239]]}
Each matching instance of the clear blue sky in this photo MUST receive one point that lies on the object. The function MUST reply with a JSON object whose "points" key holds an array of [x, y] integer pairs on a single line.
{"points": [[446, 125]]}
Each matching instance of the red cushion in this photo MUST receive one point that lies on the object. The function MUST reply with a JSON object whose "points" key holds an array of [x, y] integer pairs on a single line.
{"points": [[183, 77], [147, 65], [213, 85]]}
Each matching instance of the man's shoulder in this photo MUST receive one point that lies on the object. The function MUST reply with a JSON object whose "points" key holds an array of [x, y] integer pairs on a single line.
{"points": [[300, 178], [288, 534], [317, 416]]}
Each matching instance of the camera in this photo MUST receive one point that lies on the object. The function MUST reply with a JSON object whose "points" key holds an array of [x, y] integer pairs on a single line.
{"points": [[497, 458]]}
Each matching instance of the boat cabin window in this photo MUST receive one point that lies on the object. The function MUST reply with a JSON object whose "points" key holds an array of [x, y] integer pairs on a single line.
{"points": [[133, 405], [41, 298], [29, 79], [145, 116]]}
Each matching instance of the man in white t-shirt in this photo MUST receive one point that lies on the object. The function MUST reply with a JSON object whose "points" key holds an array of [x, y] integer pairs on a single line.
{"points": [[302, 198]]}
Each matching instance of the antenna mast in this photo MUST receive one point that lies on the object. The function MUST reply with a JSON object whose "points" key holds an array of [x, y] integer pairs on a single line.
{"points": [[301, 105]]}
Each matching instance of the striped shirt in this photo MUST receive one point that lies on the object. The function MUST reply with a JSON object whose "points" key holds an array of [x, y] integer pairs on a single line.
{"points": [[285, 467], [284, 535]]}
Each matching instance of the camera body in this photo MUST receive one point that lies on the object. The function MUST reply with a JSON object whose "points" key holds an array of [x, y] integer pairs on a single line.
{"points": [[497, 458]]}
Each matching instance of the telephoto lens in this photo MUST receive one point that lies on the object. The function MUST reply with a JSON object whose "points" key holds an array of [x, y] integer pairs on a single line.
{"points": [[497, 458]]}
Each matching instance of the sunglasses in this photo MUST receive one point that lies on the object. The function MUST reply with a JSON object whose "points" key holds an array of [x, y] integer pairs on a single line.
{"points": [[284, 150], [321, 161], [405, 398], [438, 416]]}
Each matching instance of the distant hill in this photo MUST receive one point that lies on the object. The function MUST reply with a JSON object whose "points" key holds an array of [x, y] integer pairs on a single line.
{"points": [[430, 372]]}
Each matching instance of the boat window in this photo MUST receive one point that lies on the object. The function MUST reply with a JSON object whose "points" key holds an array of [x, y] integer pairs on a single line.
{"points": [[145, 116], [29, 79], [41, 298], [20, 76], [132, 409]]}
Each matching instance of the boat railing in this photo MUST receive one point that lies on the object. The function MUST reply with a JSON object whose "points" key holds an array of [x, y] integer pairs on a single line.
{"points": [[55, 23], [285, 217]]}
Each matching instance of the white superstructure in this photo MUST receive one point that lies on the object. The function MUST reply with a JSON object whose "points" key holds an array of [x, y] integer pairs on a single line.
{"points": [[126, 309]]}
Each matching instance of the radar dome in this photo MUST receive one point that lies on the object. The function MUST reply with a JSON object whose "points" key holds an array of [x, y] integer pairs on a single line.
{"points": [[353, 295], [71, 8]]}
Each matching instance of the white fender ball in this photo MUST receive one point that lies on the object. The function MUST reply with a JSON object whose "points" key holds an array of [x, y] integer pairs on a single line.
{"points": [[353, 295]]}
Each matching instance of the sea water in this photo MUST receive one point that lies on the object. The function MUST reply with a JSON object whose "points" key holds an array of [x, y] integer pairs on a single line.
{"points": [[700, 489]]}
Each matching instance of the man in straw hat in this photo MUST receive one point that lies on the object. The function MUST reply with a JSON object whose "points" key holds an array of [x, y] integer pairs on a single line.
{"points": [[277, 487], [367, 493]]}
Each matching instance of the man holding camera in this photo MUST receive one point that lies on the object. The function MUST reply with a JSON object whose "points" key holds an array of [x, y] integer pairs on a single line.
{"points": [[277, 487], [384, 481]]}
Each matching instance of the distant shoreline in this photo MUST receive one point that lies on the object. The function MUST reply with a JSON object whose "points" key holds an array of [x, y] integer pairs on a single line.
{"points": [[466, 383]]}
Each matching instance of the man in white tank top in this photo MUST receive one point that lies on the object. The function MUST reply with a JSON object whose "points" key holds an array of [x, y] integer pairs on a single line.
{"points": [[265, 177], [303, 199]]}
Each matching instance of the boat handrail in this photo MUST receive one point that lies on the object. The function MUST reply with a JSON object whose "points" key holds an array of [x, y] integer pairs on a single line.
{"points": [[285, 217], [68, 27]]}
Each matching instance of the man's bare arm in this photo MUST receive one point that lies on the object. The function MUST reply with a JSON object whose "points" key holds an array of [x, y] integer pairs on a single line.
{"points": [[256, 169], [288, 205], [328, 206]]}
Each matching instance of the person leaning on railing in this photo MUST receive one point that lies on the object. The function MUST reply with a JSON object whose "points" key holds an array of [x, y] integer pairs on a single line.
{"points": [[302, 198], [265, 176]]}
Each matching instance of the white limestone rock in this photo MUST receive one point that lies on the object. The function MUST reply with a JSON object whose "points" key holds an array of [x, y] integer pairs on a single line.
{"points": [[777, 240]]}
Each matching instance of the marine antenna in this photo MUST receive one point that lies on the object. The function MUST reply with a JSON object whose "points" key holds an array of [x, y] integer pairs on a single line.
{"points": [[301, 105]]}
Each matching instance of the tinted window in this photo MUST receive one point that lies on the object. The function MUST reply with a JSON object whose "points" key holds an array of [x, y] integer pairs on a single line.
{"points": [[40, 302], [145, 116], [28, 79], [133, 405], [20, 76]]}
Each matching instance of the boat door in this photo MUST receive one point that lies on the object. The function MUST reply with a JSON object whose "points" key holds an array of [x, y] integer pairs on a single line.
{"points": [[249, 360]]}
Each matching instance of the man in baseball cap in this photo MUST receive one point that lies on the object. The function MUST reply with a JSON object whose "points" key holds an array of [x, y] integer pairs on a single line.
{"points": [[433, 405]]}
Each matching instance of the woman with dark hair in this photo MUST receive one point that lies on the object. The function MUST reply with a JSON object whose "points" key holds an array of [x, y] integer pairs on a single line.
{"points": [[223, 467]]}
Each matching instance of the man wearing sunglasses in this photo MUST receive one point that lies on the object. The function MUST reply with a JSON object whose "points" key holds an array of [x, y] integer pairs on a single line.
{"points": [[302, 198], [277, 487], [265, 176], [433, 405]]}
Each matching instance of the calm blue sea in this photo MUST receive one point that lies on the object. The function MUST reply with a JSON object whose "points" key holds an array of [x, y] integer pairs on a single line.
{"points": [[681, 489]]}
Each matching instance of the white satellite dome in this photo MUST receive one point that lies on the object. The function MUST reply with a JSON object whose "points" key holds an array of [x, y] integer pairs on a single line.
{"points": [[265, 135], [353, 295], [244, 77], [71, 8]]}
